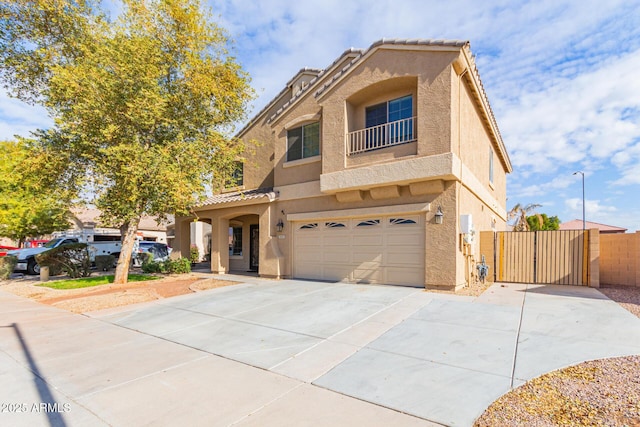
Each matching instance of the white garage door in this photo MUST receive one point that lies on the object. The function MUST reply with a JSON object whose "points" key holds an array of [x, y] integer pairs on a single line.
{"points": [[383, 250]]}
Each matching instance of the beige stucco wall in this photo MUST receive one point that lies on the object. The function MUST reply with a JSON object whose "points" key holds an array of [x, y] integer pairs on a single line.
{"points": [[395, 71], [472, 142], [447, 166], [304, 170], [620, 259]]}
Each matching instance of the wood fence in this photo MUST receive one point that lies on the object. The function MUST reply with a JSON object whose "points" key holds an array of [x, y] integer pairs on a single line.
{"points": [[547, 257]]}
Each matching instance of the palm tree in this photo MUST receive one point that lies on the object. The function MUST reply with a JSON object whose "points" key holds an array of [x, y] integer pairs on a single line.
{"points": [[520, 213]]}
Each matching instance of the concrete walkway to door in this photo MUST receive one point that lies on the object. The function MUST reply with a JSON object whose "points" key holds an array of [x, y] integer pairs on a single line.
{"points": [[292, 352]]}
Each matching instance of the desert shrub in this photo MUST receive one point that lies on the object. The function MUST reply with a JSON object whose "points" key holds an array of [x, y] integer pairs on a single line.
{"points": [[72, 259], [7, 264], [194, 254], [105, 262], [171, 266], [177, 266], [152, 267]]}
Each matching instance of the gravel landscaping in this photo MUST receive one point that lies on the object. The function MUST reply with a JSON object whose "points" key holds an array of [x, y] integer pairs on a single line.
{"points": [[597, 393]]}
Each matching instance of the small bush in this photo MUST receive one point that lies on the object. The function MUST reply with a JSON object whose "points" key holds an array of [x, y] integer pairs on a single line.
{"points": [[7, 264], [194, 254], [152, 267], [171, 266], [105, 262], [72, 259], [178, 266]]}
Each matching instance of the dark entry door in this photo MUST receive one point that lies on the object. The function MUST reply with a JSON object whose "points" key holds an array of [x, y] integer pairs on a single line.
{"points": [[254, 245]]}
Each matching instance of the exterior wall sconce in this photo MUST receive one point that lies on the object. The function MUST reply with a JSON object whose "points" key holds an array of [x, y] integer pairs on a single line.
{"points": [[280, 226], [439, 215]]}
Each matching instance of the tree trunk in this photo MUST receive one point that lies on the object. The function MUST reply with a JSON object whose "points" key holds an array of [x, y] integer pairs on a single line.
{"points": [[128, 239]]}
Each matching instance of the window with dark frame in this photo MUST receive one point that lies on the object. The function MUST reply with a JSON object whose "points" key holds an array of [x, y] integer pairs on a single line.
{"points": [[303, 142], [237, 176], [393, 112]]}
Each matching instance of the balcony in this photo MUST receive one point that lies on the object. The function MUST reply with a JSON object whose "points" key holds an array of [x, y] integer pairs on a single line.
{"points": [[381, 136]]}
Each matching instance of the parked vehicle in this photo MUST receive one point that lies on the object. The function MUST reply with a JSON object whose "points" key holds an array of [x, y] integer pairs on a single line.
{"points": [[27, 257], [159, 251], [5, 249], [34, 243]]}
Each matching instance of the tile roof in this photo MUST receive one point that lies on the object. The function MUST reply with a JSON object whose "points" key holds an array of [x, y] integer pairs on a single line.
{"points": [[91, 216], [576, 224], [237, 196], [358, 54]]}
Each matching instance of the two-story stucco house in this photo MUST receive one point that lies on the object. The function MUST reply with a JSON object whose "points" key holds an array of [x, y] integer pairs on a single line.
{"points": [[369, 171]]}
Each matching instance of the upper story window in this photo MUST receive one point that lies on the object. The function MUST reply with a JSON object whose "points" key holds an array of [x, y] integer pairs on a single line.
{"points": [[390, 111], [303, 142], [491, 165], [237, 176], [386, 124]]}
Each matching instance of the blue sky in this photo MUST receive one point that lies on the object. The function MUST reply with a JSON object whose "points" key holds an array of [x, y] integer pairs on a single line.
{"points": [[561, 76]]}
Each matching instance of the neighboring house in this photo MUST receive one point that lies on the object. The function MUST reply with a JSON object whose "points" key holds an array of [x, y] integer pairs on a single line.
{"points": [[356, 167], [85, 223], [576, 224]]}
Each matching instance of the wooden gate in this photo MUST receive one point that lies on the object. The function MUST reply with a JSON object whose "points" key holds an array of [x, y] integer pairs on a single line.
{"points": [[547, 257]]}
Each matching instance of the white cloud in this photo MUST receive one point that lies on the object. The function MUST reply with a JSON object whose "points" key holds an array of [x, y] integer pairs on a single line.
{"points": [[19, 118]]}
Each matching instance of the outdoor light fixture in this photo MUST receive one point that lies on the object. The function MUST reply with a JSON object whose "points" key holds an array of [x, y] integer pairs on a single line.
{"points": [[439, 215], [584, 222], [279, 226]]}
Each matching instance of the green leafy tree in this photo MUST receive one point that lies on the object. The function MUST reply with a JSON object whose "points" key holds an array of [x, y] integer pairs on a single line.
{"points": [[542, 222], [31, 203], [143, 105]]}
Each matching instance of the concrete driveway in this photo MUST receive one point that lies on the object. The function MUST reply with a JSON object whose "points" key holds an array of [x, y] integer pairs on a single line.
{"points": [[277, 353]]}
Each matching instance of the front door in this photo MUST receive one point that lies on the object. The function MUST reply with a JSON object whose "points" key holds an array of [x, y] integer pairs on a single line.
{"points": [[254, 245]]}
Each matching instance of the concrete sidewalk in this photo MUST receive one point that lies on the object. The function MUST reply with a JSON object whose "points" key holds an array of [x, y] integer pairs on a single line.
{"points": [[297, 353]]}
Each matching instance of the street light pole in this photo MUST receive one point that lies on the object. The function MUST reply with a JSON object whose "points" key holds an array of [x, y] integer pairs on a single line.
{"points": [[583, 215]]}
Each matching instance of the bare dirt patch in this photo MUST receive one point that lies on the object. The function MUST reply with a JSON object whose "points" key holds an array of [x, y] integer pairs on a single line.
{"points": [[108, 296]]}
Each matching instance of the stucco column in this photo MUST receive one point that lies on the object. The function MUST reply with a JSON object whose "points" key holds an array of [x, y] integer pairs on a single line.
{"points": [[271, 258], [441, 245], [219, 245], [182, 238]]}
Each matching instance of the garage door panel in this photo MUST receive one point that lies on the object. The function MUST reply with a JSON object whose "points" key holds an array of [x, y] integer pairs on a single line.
{"points": [[309, 270], [404, 276], [309, 240], [359, 257], [405, 239], [384, 252], [334, 256], [337, 272], [336, 240], [367, 239], [404, 258], [365, 275]]}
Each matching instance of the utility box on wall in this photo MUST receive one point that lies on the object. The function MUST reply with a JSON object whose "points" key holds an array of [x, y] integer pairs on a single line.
{"points": [[466, 224]]}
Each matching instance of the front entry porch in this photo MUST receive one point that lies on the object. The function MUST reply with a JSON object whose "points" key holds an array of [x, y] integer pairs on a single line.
{"points": [[243, 238]]}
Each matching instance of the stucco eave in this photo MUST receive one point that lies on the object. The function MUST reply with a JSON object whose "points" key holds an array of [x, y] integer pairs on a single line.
{"points": [[443, 166]]}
